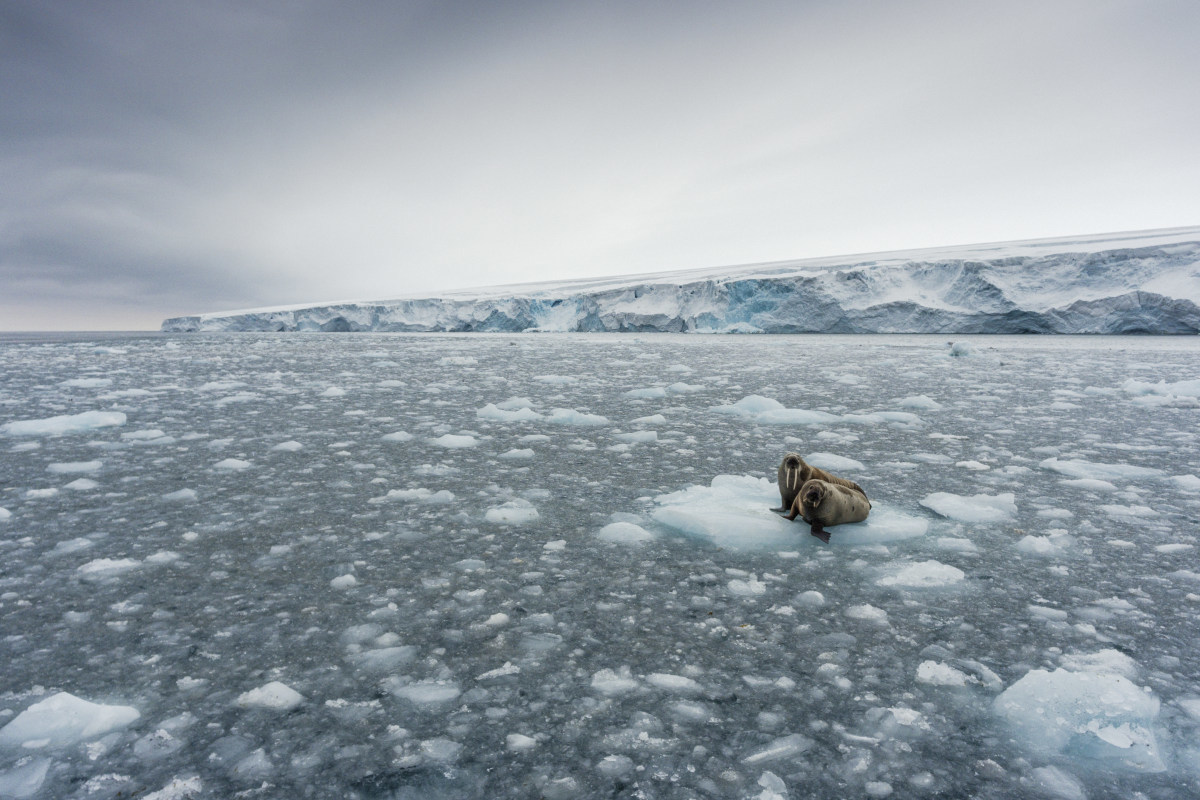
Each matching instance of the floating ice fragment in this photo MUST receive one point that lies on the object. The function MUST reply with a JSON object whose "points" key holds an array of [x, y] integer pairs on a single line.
{"points": [[923, 575], [867, 613], [64, 719], [1059, 783], [1093, 715], [397, 436], [1187, 483], [637, 437], [454, 442], [232, 465], [611, 683], [64, 424], [517, 455], [935, 673], [275, 695], [427, 694], [783, 747], [81, 485], [920, 402], [102, 568], [514, 512], [74, 467], [651, 393], [519, 742], [25, 780], [1078, 468], [569, 416], [178, 789], [344, 582], [181, 496], [979, 508], [289, 447], [834, 462], [751, 587], [496, 414], [679, 684]]}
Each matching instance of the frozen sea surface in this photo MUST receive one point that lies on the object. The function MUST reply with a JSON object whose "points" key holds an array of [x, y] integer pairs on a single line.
{"points": [[438, 566]]}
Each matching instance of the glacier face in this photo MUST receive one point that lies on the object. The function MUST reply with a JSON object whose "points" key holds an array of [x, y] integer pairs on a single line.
{"points": [[1146, 282]]}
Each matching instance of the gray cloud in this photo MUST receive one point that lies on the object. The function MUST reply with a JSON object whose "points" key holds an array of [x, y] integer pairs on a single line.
{"points": [[165, 158]]}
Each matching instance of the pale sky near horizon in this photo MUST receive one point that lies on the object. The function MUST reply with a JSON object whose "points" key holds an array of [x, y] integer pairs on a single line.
{"points": [[160, 158]]}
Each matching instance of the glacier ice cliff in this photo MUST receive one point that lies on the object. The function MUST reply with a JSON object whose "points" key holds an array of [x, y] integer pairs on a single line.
{"points": [[1145, 282]]}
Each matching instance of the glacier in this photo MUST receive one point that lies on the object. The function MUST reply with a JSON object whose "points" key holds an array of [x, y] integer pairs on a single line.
{"points": [[1122, 283]]}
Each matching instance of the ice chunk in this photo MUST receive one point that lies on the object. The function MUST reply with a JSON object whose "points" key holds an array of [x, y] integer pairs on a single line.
{"points": [[936, 673], [637, 437], [784, 747], [569, 416], [751, 587], [290, 446], [454, 442], [64, 719], [74, 467], [1055, 543], [677, 684], [103, 568], [517, 454], [397, 436], [495, 413], [25, 780], [64, 424], [920, 402], [519, 742], [923, 575], [178, 789], [344, 582], [428, 694], [232, 465], [868, 613], [1080, 469], [651, 393], [514, 512], [1093, 715], [834, 462], [979, 508], [1186, 483], [181, 496], [1058, 783], [611, 683], [276, 696], [5, 514]]}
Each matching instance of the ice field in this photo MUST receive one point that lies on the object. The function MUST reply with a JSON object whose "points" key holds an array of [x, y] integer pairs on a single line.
{"points": [[518, 566]]}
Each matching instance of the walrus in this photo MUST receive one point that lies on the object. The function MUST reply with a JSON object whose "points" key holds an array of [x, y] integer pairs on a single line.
{"points": [[822, 503], [794, 472]]}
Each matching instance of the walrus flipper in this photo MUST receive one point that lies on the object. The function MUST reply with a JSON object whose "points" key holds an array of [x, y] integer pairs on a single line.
{"points": [[820, 533]]}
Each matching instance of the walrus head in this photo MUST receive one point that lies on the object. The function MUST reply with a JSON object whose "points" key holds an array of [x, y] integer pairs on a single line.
{"points": [[814, 494], [793, 468]]}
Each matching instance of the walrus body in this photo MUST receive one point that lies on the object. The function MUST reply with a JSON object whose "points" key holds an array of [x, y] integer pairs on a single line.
{"points": [[823, 503], [794, 472]]}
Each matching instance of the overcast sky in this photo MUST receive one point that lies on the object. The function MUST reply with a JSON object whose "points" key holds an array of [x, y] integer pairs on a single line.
{"points": [[160, 158]]}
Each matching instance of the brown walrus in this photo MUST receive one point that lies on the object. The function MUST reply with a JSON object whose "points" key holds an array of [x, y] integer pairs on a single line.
{"points": [[822, 503], [794, 472]]}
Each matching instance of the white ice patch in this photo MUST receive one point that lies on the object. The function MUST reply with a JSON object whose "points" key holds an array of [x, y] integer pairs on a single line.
{"points": [[25, 780], [919, 402], [1055, 543], [523, 454], [1091, 470], [397, 436], [495, 413], [833, 462], [1187, 483], [232, 465], [104, 568], [64, 424], [637, 437], [5, 514], [978, 509], [64, 719], [570, 416], [514, 512], [611, 683], [454, 442], [1099, 716], [87, 383], [428, 694], [767, 411], [922, 575], [276, 696], [867, 613], [74, 467], [181, 496], [1180, 393], [289, 447], [935, 673], [734, 512], [624, 533]]}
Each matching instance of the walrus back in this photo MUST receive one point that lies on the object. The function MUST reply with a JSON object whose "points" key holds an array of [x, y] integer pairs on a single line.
{"points": [[821, 475]]}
